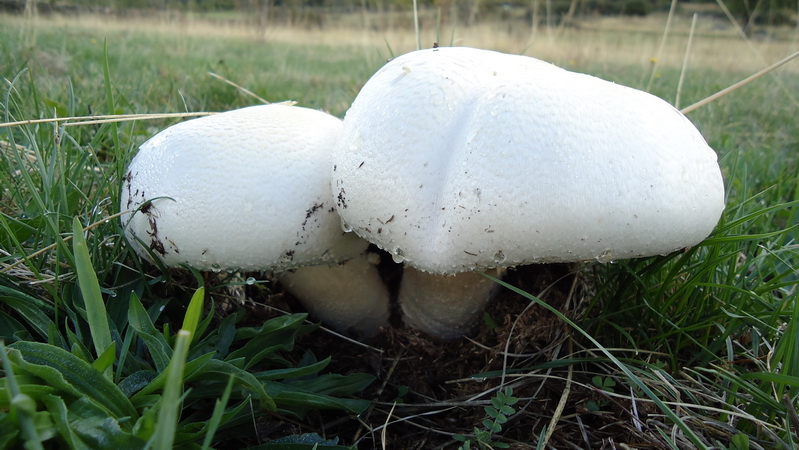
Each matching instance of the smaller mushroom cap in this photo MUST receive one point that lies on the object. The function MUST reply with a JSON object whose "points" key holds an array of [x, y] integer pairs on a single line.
{"points": [[247, 189], [454, 159]]}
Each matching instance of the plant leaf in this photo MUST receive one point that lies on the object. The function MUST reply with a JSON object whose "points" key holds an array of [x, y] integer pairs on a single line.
{"points": [[65, 371], [140, 321], [29, 307], [170, 405], [216, 417], [193, 313], [24, 416], [90, 289], [106, 360]]}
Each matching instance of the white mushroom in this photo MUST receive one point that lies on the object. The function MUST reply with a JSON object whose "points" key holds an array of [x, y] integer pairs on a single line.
{"points": [[457, 159], [248, 190]]}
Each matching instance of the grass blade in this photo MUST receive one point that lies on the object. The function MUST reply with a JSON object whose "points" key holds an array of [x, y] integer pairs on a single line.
{"points": [[170, 405], [65, 371], [140, 321], [194, 312], [740, 84], [219, 410], [20, 404], [109, 95], [623, 367], [92, 298]]}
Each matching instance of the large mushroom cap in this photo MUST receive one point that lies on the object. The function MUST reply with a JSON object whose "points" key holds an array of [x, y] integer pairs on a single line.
{"points": [[454, 159], [248, 189]]}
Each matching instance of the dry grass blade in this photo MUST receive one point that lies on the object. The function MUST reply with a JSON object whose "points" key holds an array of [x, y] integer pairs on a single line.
{"points": [[561, 404], [383, 432], [793, 417], [416, 25], [9, 267], [9, 148], [740, 84], [240, 88], [659, 54], [685, 61], [742, 33], [90, 120]]}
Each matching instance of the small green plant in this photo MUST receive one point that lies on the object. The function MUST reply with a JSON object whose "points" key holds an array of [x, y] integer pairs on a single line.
{"points": [[605, 384], [739, 441], [499, 411]]}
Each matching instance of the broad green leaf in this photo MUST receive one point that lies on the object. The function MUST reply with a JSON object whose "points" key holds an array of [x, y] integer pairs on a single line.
{"points": [[226, 332], [92, 298], [156, 344], [497, 401], [144, 428], [9, 431], [333, 384], [271, 446], [308, 441], [45, 428], [19, 410], [492, 426], [78, 349], [94, 427], [289, 321], [63, 370], [34, 389], [202, 327], [135, 381], [29, 307], [293, 372], [106, 360], [245, 378], [256, 350], [507, 410], [10, 326], [193, 367], [296, 402], [230, 418], [60, 415]]}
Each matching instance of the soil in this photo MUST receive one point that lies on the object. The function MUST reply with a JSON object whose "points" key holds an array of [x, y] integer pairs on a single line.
{"points": [[427, 390]]}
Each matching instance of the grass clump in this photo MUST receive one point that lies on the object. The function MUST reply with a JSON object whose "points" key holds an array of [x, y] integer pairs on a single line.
{"points": [[100, 352]]}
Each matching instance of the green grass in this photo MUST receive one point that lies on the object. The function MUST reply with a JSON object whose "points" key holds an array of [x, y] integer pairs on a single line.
{"points": [[709, 335], [81, 346]]}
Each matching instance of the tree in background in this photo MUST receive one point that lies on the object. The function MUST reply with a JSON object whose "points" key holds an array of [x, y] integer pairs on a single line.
{"points": [[763, 12], [747, 12]]}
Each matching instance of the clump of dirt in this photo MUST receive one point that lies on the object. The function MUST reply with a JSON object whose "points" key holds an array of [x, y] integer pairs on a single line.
{"points": [[427, 390]]}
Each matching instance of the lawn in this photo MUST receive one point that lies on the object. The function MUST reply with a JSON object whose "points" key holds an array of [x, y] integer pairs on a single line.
{"points": [[692, 349]]}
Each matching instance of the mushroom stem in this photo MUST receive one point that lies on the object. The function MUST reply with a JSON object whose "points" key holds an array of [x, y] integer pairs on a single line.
{"points": [[446, 306], [346, 296]]}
